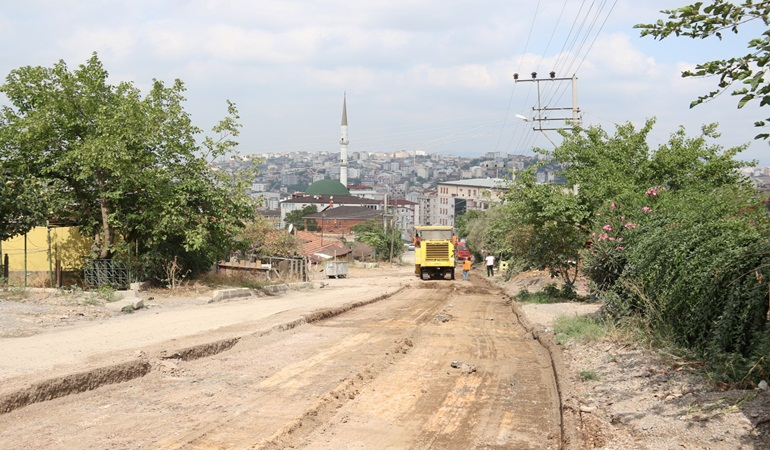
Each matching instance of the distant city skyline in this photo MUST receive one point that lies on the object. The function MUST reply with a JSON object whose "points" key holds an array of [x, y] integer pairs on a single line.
{"points": [[425, 75]]}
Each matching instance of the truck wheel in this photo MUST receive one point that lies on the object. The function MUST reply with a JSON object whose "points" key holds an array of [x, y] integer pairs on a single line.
{"points": [[424, 275]]}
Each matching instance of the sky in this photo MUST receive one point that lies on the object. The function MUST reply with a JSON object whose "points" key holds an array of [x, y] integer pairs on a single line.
{"points": [[417, 75]]}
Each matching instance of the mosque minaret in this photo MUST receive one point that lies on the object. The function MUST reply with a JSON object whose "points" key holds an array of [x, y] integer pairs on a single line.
{"points": [[344, 144]]}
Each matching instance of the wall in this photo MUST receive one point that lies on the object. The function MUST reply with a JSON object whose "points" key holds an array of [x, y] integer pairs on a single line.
{"points": [[66, 244]]}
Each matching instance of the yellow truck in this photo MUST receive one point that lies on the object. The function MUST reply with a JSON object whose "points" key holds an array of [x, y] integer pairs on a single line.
{"points": [[434, 252]]}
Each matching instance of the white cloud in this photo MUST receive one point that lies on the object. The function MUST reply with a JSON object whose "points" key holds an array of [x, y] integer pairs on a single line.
{"points": [[448, 78], [441, 69], [113, 43], [615, 55], [168, 43]]}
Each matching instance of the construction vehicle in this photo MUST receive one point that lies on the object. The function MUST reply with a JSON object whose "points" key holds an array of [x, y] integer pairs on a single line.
{"points": [[463, 252], [434, 252]]}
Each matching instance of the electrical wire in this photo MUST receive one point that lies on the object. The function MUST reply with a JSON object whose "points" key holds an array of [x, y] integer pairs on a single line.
{"points": [[513, 88], [574, 50], [527, 136], [586, 53], [587, 24]]}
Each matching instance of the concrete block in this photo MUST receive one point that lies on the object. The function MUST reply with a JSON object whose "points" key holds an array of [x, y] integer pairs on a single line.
{"points": [[133, 302]]}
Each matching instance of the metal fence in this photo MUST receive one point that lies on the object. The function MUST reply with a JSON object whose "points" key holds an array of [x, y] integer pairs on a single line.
{"points": [[270, 268], [107, 272], [54, 257], [26, 264]]}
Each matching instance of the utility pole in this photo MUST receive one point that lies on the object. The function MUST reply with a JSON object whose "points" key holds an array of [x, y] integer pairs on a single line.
{"points": [[540, 117], [385, 211], [392, 237]]}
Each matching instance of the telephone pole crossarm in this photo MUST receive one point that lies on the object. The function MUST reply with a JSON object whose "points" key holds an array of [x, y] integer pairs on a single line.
{"points": [[539, 118]]}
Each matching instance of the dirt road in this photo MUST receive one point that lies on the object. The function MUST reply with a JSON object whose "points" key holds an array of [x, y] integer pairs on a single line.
{"points": [[380, 360]]}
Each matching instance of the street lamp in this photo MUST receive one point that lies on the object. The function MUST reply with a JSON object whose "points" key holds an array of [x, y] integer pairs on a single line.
{"points": [[526, 119]]}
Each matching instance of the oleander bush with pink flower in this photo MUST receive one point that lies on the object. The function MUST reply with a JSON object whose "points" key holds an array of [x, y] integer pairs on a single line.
{"points": [[678, 239]]}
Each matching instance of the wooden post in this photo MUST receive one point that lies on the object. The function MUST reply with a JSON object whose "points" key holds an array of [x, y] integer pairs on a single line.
{"points": [[5, 269], [58, 273], [50, 258], [25, 260]]}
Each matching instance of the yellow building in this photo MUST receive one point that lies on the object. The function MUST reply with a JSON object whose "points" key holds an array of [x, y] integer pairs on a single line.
{"points": [[36, 252]]}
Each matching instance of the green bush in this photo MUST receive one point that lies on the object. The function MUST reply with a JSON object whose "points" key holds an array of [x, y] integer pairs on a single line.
{"points": [[549, 294], [697, 271], [588, 375], [551, 290], [535, 297], [567, 292]]}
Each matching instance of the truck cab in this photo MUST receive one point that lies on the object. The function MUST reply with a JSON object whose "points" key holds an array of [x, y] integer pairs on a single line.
{"points": [[462, 251], [434, 254]]}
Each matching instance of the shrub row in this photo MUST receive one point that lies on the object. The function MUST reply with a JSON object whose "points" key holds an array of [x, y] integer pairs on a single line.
{"points": [[696, 266]]}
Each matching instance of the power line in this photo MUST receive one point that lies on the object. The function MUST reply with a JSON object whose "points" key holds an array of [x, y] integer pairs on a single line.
{"points": [[513, 88], [583, 30], [596, 35]]}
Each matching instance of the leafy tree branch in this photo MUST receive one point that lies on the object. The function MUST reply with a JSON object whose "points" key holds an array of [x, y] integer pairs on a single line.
{"points": [[697, 21]]}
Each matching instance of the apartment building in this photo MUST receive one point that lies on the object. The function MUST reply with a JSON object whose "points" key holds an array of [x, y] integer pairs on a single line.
{"points": [[454, 198]]}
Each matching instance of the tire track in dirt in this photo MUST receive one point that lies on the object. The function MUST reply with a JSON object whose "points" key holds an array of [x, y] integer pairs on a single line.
{"points": [[371, 377], [510, 401], [77, 383], [381, 341]]}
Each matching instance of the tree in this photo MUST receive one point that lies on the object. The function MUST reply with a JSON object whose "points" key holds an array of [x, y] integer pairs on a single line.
{"points": [[599, 169], [711, 21], [260, 238], [602, 168], [552, 221], [129, 169], [464, 222], [297, 218], [382, 239], [26, 210], [677, 242]]}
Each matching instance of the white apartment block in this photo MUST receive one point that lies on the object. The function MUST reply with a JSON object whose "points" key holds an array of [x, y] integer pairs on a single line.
{"points": [[259, 187], [456, 197], [428, 213], [268, 200]]}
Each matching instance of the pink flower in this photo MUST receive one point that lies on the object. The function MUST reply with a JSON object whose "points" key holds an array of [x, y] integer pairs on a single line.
{"points": [[619, 247], [613, 205], [607, 228], [630, 226], [646, 209], [602, 237], [612, 238]]}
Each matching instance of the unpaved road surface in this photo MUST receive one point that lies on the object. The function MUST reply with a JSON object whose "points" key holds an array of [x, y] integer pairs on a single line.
{"points": [[380, 360]]}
